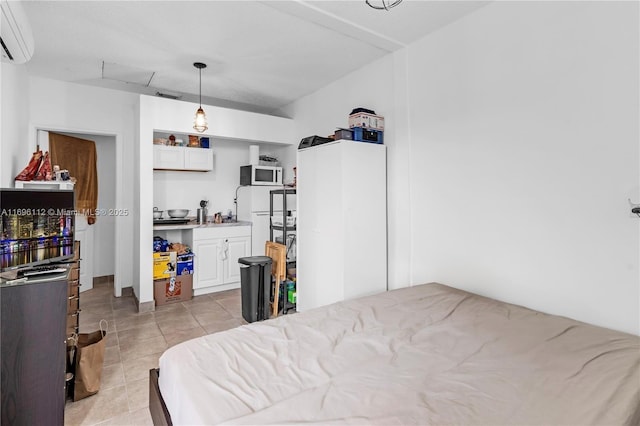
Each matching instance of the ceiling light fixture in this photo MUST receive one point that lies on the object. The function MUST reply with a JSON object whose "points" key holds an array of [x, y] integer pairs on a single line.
{"points": [[384, 4], [200, 122]]}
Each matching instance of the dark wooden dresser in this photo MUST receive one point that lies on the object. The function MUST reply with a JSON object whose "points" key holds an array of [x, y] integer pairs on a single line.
{"points": [[73, 304], [33, 349]]}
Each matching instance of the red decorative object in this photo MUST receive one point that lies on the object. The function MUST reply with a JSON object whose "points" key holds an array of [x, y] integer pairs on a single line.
{"points": [[44, 172], [29, 172]]}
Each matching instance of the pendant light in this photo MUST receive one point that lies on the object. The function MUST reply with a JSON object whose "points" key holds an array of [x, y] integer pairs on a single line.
{"points": [[200, 122], [384, 4]]}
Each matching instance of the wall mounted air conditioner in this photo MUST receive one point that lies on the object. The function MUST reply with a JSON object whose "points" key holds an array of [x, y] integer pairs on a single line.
{"points": [[16, 38]]}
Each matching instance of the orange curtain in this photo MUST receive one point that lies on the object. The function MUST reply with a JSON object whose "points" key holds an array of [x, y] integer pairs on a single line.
{"points": [[80, 158]]}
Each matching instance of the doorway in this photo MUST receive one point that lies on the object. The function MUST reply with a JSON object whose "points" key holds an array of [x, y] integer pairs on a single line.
{"points": [[98, 242]]}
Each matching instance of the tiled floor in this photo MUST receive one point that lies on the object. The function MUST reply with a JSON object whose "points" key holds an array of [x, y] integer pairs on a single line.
{"points": [[134, 344]]}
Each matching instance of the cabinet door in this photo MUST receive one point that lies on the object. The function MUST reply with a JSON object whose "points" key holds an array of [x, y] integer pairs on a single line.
{"points": [[259, 232], [236, 247], [208, 263], [198, 159], [168, 157]]}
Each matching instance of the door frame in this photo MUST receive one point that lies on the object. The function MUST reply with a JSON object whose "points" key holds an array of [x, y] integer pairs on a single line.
{"points": [[119, 240]]}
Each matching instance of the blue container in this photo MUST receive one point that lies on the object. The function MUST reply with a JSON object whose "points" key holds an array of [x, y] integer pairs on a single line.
{"points": [[204, 142], [160, 244], [362, 134], [184, 265]]}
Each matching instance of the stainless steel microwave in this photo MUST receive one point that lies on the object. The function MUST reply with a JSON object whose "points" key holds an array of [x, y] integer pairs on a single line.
{"points": [[260, 175]]}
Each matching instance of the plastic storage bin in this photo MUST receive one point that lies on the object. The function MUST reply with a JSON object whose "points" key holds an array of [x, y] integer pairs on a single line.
{"points": [[255, 287]]}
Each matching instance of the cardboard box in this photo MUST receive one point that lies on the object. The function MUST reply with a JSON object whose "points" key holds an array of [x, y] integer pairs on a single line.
{"points": [[368, 121], [164, 265], [185, 264], [172, 290]]}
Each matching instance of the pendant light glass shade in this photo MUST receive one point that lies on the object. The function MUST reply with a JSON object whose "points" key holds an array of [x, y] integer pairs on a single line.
{"points": [[200, 121]]}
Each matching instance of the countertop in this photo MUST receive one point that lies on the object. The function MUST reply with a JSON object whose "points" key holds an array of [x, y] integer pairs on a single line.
{"points": [[194, 225]]}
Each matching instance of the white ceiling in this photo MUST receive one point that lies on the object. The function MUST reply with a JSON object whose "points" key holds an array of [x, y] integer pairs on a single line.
{"points": [[260, 55]]}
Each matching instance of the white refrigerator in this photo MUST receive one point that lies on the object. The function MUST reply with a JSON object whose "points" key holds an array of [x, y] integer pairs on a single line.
{"points": [[253, 205], [342, 222]]}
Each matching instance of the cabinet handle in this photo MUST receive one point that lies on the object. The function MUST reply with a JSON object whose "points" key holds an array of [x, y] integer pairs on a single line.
{"points": [[74, 297], [225, 250]]}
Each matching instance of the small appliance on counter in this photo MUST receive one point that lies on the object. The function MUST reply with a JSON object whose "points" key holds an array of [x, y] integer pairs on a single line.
{"points": [[202, 212], [260, 175]]}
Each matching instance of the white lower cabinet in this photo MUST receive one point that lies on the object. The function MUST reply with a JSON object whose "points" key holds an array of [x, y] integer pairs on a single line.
{"points": [[217, 252]]}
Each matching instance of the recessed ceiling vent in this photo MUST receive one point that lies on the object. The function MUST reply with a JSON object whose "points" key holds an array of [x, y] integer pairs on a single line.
{"points": [[169, 95], [126, 74]]}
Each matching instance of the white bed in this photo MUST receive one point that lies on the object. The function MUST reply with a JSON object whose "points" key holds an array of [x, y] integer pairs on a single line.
{"points": [[427, 354]]}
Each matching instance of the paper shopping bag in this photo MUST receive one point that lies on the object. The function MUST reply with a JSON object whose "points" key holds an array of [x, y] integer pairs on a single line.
{"points": [[89, 360]]}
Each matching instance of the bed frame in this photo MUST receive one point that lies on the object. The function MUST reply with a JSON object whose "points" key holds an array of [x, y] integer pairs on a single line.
{"points": [[157, 407]]}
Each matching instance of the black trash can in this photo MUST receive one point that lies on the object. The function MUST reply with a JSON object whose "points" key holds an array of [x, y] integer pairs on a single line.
{"points": [[255, 287]]}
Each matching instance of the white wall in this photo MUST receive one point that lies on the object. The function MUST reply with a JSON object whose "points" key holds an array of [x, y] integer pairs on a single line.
{"points": [[74, 108], [522, 150], [15, 152], [528, 154], [380, 86]]}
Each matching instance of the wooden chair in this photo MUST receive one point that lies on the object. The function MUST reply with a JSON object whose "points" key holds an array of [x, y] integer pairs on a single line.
{"points": [[278, 253]]}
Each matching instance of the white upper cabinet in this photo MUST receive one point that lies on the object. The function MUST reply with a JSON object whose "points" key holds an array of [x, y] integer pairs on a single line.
{"points": [[198, 159], [182, 158]]}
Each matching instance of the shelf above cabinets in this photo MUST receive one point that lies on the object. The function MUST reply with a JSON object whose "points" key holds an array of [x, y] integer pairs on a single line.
{"points": [[182, 158]]}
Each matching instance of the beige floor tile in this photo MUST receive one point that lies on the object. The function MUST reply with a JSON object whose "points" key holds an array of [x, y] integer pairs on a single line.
{"points": [[184, 335], [97, 408], [144, 331], [95, 302], [121, 303], [132, 321], [217, 326], [138, 368], [111, 339], [123, 419], [233, 305], [89, 325], [212, 315], [141, 417], [198, 300], [212, 306], [225, 294], [112, 355], [94, 297], [142, 347], [112, 376], [138, 394], [172, 309], [134, 344], [177, 322]]}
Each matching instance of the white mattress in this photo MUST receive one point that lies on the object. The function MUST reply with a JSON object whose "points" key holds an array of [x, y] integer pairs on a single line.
{"points": [[422, 355]]}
